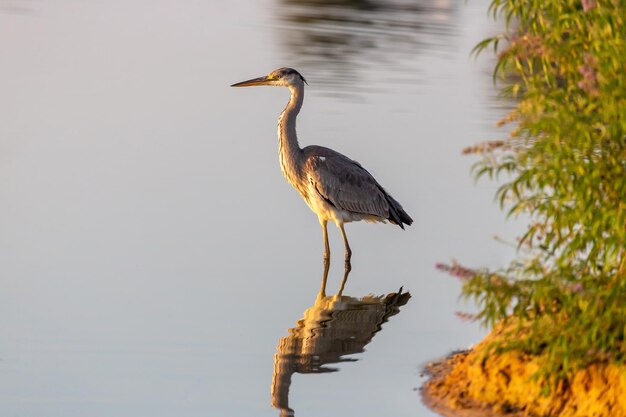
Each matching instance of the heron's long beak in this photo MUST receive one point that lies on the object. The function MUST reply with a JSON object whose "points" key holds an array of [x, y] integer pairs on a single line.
{"points": [[255, 81]]}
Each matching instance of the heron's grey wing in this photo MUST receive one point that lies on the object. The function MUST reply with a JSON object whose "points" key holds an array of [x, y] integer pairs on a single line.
{"points": [[346, 184]]}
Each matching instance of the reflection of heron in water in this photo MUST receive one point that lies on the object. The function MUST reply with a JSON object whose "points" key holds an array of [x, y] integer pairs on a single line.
{"points": [[351, 43], [334, 186], [335, 326]]}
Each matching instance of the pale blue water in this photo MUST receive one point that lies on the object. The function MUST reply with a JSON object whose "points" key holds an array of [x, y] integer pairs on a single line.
{"points": [[152, 257]]}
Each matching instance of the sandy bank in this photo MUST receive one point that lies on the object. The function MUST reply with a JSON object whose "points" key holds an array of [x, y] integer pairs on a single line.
{"points": [[477, 384]]}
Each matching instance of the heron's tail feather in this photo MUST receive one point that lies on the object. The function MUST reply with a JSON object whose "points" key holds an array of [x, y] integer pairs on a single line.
{"points": [[397, 215]]}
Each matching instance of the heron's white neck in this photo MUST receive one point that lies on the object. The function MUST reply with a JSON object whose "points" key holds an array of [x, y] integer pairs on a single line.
{"points": [[289, 152]]}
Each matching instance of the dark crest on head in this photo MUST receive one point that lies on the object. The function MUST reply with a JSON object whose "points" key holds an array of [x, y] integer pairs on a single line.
{"points": [[289, 71]]}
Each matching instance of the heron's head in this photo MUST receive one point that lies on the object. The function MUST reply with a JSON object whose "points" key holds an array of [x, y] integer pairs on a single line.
{"points": [[283, 77]]}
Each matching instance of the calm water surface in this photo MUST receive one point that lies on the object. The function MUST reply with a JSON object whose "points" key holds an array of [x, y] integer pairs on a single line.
{"points": [[153, 261]]}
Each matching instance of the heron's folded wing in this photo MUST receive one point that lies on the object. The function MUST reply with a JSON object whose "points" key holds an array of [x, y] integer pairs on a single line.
{"points": [[347, 185]]}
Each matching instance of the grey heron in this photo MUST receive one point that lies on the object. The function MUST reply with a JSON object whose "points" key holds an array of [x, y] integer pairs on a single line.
{"points": [[334, 186]]}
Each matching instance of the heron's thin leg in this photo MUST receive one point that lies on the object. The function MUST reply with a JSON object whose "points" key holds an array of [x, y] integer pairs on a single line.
{"points": [[322, 293], [345, 243], [324, 223], [346, 272]]}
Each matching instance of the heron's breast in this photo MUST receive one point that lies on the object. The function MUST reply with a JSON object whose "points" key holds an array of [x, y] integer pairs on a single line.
{"points": [[322, 207]]}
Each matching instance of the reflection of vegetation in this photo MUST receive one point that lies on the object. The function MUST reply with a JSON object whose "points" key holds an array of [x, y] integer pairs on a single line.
{"points": [[21, 7], [339, 39], [352, 4], [335, 326], [567, 159]]}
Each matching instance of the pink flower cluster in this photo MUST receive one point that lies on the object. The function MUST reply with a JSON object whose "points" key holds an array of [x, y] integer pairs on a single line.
{"points": [[588, 4], [589, 82], [456, 270]]}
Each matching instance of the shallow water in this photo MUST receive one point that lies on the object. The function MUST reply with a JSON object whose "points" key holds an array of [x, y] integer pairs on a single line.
{"points": [[153, 261]]}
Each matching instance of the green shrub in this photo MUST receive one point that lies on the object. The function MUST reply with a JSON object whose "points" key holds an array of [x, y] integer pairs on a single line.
{"points": [[565, 63]]}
